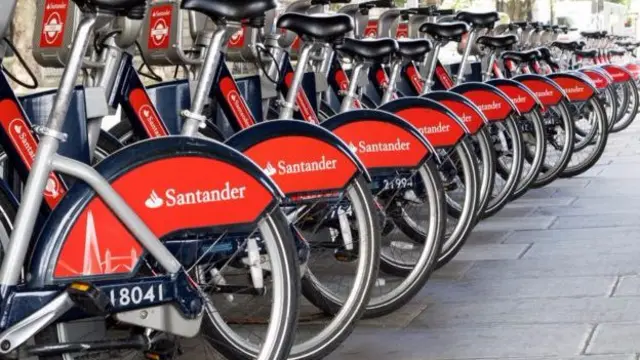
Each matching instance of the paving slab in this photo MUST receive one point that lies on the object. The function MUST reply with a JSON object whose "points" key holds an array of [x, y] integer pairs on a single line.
{"points": [[595, 221], [614, 338], [540, 202], [514, 212], [610, 265], [561, 235], [507, 224], [628, 286], [575, 210], [487, 236], [626, 200], [585, 357], [471, 343], [474, 252], [441, 291], [453, 270], [619, 171], [586, 310], [596, 247], [400, 318]]}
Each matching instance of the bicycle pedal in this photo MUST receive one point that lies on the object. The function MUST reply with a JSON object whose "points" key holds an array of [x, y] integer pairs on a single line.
{"points": [[89, 298], [163, 350], [343, 255]]}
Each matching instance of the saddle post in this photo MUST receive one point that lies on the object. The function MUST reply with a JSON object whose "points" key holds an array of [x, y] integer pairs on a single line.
{"points": [[193, 117], [352, 93], [289, 104], [106, 70], [465, 56], [396, 65], [430, 66], [490, 63]]}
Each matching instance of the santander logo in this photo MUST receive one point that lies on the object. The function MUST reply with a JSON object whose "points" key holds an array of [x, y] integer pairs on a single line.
{"points": [[175, 198], [150, 120], [574, 90], [19, 133], [465, 117], [284, 168], [153, 201], [545, 93], [435, 129], [363, 147], [518, 99], [235, 101], [494, 105]]}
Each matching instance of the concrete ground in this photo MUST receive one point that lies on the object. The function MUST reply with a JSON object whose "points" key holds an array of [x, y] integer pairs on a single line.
{"points": [[555, 275]]}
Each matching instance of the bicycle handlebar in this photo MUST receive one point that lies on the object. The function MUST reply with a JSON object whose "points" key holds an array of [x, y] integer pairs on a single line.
{"points": [[327, 2], [377, 4]]}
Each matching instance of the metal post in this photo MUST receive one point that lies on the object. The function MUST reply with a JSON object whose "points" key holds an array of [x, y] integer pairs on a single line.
{"points": [[465, 57], [286, 112]]}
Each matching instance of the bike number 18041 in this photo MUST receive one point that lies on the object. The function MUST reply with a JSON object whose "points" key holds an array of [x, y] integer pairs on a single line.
{"points": [[136, 295]]}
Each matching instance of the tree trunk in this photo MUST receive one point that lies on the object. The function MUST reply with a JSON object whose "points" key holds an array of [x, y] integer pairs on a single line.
{"points": [[22, 29]]}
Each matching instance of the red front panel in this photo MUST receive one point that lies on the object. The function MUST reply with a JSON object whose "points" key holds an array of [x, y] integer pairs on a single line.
{"points": [[497, 72], [371, 31], [546, 93], [492, 105], [25, 144], [523, 100], [575, 89], [380, 144], [303, 164], [467, 114], [634, 69], [159, 25], [236, 103], [147, 114], [444, 77], [618, 74], [599, 80], [53, 25], [193, 192], [415, 78], [439, 128]]}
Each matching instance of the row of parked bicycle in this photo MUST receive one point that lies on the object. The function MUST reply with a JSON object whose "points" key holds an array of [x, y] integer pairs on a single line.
{"points": [[195, 224]]}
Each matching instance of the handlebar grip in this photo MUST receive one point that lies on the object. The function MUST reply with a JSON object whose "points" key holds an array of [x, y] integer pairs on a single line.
{"points": [[377, 4], [327, 2], [444, 12]]}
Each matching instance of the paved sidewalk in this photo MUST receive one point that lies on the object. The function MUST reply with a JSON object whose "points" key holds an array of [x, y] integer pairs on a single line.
{"points": [[555, 275]]}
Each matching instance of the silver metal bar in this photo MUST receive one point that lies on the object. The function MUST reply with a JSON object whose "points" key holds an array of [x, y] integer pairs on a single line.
{"points": [[489, 72], [431, 68], [19, 333], [352, 92], [69, 76], [191, 126], [120, 208], [325, 68], [393, 79], [465, 57], [36, 182], [286, 111], [105, 79]]}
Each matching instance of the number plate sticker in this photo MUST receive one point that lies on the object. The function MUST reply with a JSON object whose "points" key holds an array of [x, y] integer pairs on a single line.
{"points": [[138, 294]]}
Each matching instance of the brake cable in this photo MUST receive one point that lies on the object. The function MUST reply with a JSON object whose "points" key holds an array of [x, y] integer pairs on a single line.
{"points": [[259, 63], [152, 74], [24, 65]]}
